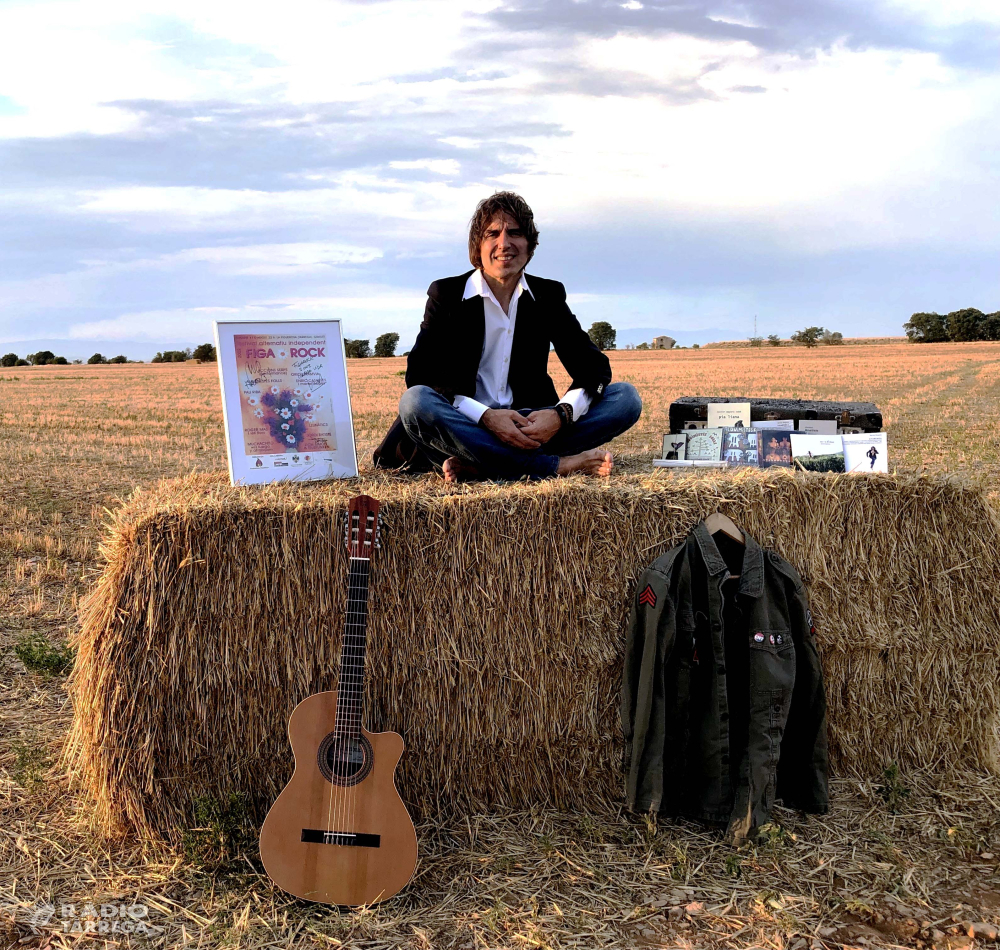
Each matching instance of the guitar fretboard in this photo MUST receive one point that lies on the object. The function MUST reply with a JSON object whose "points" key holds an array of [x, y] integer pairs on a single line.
{"points": [[351, 688]]}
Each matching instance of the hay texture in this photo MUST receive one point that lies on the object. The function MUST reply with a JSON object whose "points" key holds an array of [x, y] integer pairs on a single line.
{"points": [[497, 627]]}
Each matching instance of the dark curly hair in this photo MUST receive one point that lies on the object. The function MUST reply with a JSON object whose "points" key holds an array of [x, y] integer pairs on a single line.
{"points": [[500, 202]]}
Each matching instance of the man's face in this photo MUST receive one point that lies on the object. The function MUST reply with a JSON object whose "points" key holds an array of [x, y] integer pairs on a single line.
{"points": [[504, 248]]}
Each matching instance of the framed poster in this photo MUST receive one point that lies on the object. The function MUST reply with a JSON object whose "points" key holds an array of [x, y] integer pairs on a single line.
{"points": [[285, 400]]}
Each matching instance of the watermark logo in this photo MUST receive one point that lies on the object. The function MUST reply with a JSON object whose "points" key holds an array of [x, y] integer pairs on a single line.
{"points": [[85, 918], [41, 914], [105, 919]]}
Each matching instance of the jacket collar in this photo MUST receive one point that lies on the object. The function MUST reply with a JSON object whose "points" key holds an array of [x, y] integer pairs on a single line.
{"points": [[476, 286], [752, 575]]}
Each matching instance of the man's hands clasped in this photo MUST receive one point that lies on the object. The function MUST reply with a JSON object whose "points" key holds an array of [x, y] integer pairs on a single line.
{"points": [[522, 432], [542, 425]]}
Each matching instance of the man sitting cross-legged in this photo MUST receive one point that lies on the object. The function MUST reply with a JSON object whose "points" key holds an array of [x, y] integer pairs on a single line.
{"points": [[479, 400]]}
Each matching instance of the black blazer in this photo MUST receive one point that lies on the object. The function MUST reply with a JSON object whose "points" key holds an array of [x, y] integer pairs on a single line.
{"points": [[450, 344]]}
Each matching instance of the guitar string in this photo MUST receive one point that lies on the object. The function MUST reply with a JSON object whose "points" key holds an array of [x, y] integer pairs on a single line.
{"points": [[356, 593], [352, 674], [349, 698], [357, 675], [358, 671], [347, 685], [336, 736], [338, 746]]}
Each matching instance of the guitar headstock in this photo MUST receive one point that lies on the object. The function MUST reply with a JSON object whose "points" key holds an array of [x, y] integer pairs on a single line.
{"points": [[361, 533]]}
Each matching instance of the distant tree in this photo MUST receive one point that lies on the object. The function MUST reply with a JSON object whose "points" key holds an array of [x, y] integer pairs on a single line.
{"points": [[41, 358], [695, 346], [991, 325], [774, 340], [643, 346], [357, 349], [386, 344], [22, 363], [77, 362], [97, 358], [59, 361], [407, 353], [603, 335], [118, 359], [832, 338], [927, 328], [9, 359], [204, 352], [967, 325], [756, 341], [172, 356], [808, 337]]}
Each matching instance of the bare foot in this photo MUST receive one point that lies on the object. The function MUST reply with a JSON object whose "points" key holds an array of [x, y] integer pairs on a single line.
{"points": [[455, 469], [595, 462]]}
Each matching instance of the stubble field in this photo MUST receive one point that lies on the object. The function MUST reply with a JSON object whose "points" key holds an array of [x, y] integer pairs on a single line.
{"points": [[76, 440]]}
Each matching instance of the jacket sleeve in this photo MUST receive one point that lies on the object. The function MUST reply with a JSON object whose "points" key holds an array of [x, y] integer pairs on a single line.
{"points": [[651, 633], [426, 364], [588, 367], [803, 763]]}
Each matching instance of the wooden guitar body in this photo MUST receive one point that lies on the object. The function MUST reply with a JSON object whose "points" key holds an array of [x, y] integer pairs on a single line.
{"points": [[360, 846]]}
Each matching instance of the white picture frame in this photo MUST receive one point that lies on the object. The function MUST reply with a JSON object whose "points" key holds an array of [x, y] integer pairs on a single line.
{"points": [[285, 381]]}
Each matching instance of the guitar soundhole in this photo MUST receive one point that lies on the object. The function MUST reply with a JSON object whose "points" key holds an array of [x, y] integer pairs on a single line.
{"points": [[345, 760]]}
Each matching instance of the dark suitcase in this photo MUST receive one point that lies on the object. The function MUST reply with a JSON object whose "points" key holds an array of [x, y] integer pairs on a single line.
{"points": [[864, 416]]}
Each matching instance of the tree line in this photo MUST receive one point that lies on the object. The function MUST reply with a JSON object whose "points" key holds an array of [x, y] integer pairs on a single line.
{"points": [[41, 358], [385, 345], [604, 336], [807, 337], [966, 325], [959, 326], [205, 352]]}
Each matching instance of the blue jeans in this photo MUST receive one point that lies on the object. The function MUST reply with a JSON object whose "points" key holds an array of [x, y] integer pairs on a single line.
{"points": [[442, 432]]}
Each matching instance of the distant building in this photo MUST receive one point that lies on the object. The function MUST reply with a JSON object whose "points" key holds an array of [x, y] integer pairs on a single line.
{"points": [[663, 342]]}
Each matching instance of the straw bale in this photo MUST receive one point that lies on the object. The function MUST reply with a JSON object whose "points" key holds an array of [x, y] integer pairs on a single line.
{"points": [[497, 625]]}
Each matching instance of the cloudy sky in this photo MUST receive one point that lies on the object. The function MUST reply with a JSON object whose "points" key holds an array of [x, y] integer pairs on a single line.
{"points": [[691, 164]]}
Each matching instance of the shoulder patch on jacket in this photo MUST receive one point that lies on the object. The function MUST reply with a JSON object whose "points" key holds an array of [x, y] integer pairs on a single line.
{"points": [[648, 596]]}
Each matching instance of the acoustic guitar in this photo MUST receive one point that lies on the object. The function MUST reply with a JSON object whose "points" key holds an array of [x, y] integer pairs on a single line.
{"points": [[339, 833]]}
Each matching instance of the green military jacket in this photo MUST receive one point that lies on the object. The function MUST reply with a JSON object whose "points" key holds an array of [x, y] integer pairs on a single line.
{"points": [[723, 706]]}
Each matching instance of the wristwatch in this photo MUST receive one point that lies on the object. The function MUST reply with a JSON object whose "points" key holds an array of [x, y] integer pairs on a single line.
{"points": [[565, 411]]}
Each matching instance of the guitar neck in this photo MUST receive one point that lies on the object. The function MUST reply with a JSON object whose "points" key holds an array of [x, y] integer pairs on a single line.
{"points": [[351, 688]]}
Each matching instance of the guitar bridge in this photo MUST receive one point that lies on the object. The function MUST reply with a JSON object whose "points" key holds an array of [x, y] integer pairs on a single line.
{"points": [[348, 838]]}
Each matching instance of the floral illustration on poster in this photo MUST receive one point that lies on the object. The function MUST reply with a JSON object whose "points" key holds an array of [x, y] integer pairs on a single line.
{"points": [[285, 399]]}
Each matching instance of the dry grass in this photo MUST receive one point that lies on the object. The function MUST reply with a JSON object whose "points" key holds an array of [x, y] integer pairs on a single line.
{"points": [[554, 879], [75, 439]]}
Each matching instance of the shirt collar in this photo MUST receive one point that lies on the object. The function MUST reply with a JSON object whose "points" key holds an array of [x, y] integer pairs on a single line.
{"points": [[476, 286], [752, 573]]}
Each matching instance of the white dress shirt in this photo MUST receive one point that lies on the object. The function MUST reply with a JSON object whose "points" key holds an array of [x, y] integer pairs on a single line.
{"points": [[492, 387]]}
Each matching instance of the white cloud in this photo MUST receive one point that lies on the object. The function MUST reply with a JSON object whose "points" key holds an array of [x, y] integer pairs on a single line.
{"points": [[274, 258], [440, 166], [383, 308], [294, 259], [411, 303], [155, 325]]}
